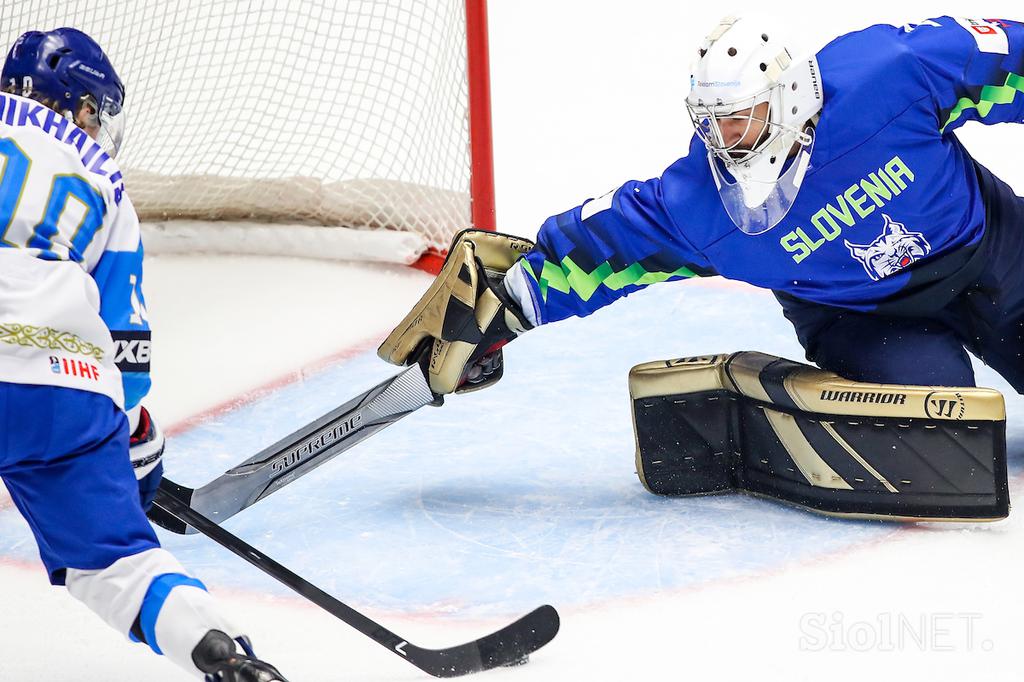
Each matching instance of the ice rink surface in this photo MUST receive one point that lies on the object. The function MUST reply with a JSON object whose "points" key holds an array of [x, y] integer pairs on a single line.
{"points": [[458, 519]]}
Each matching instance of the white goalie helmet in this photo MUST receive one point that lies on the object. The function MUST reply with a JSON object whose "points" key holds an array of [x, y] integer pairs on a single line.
{"points": [[745, 78]]}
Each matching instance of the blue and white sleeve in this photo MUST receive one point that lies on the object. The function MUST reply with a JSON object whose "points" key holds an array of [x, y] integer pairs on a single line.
{"points": [[974, 68], [118, 275]]}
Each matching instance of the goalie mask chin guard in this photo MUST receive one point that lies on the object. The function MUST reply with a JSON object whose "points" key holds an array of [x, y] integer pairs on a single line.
{"points": [[742, 71], [756, 205]]}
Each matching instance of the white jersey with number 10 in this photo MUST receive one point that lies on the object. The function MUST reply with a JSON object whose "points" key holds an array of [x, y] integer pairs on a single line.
{"points": [[72, 312]]}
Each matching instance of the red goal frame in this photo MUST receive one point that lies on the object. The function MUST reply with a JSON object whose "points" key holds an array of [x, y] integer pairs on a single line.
{"points": [[481, 142]]}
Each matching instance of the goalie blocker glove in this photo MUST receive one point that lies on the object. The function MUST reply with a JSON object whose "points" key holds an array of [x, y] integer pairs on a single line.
{"points": [[457, 329]]}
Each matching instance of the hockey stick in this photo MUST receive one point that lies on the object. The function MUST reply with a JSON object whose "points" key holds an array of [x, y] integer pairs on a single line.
{"points": [[510, 645], [304, 450]]}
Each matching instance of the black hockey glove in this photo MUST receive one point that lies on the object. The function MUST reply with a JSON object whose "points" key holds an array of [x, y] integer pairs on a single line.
{"points": [[146, 449]]}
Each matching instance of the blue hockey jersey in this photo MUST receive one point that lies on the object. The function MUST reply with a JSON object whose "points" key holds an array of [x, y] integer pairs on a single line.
{"points": [[890, 207]]}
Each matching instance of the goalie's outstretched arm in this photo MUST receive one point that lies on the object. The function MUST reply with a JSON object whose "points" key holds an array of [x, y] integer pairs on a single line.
{"points": [[494, 287], [607, 248]]}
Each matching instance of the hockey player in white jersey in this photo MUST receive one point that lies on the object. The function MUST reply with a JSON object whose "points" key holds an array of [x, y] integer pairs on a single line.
{"points": [[74, 360]]}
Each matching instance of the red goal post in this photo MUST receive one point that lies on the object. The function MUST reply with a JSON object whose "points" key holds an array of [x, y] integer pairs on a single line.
{"points": [[354, 130], [481, 144]]}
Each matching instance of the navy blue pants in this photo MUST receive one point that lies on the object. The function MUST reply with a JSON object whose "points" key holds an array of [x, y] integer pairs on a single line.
{"points": [[986, 318], [64, 459]]}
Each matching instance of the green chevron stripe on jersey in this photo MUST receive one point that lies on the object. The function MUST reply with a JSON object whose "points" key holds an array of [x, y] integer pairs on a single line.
{"points": [[990, 96], [569, 277]]}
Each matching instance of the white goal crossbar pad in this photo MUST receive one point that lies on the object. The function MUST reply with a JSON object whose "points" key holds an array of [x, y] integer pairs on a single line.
{"points": [[188, 237]]}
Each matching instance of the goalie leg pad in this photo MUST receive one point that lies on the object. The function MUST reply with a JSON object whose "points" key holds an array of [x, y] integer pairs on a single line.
{"points": [[785, 430]]}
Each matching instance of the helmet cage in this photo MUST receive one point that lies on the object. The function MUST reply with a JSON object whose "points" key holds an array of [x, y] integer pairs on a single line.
{"points": [[706, 118]]}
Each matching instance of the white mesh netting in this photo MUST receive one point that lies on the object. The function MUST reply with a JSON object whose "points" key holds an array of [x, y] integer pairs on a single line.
{"points": [[299, 112]]}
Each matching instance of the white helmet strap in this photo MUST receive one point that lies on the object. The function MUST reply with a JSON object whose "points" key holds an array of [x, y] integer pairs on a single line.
{"points": [[778, 66], [720, 30]]}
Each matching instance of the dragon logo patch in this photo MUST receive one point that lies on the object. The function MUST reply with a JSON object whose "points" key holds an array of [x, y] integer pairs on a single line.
{"points": [[894, 250]]}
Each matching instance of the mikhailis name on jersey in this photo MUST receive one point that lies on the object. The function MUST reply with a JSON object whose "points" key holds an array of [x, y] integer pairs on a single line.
{"points": [[16, 111]]}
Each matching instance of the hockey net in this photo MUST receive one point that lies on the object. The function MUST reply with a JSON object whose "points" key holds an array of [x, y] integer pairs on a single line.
{"points": [[295, 127]]}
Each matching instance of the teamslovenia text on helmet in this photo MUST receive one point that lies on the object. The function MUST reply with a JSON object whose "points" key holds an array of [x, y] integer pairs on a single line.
{"points": [[743, 64], [67, 67]]}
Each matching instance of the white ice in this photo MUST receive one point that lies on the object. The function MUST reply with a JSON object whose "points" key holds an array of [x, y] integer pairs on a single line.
{"points": [[457, 519]]}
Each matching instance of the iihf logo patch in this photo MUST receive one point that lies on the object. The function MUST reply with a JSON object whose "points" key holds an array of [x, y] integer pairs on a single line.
{"points": [[74, 368], [897, 248]]}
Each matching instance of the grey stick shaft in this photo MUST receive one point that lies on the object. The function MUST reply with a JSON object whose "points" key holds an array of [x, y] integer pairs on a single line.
{"points": [[314, 444]]}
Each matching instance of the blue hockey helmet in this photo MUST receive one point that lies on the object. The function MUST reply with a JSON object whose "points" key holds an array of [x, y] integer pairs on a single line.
{"points": [[68, 68]]}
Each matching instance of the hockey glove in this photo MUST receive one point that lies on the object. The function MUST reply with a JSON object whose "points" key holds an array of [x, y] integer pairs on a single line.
{"points": [[216, 656], [458, 327], [146, 448]]}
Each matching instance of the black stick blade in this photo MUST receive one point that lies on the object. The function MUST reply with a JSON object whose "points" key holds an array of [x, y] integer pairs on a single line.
{"points": [[510, 645]]}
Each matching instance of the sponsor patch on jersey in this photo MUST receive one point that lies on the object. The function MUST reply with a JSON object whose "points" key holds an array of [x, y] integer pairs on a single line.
{"points": [[895, 249], [131, 350], [990, 37]]}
